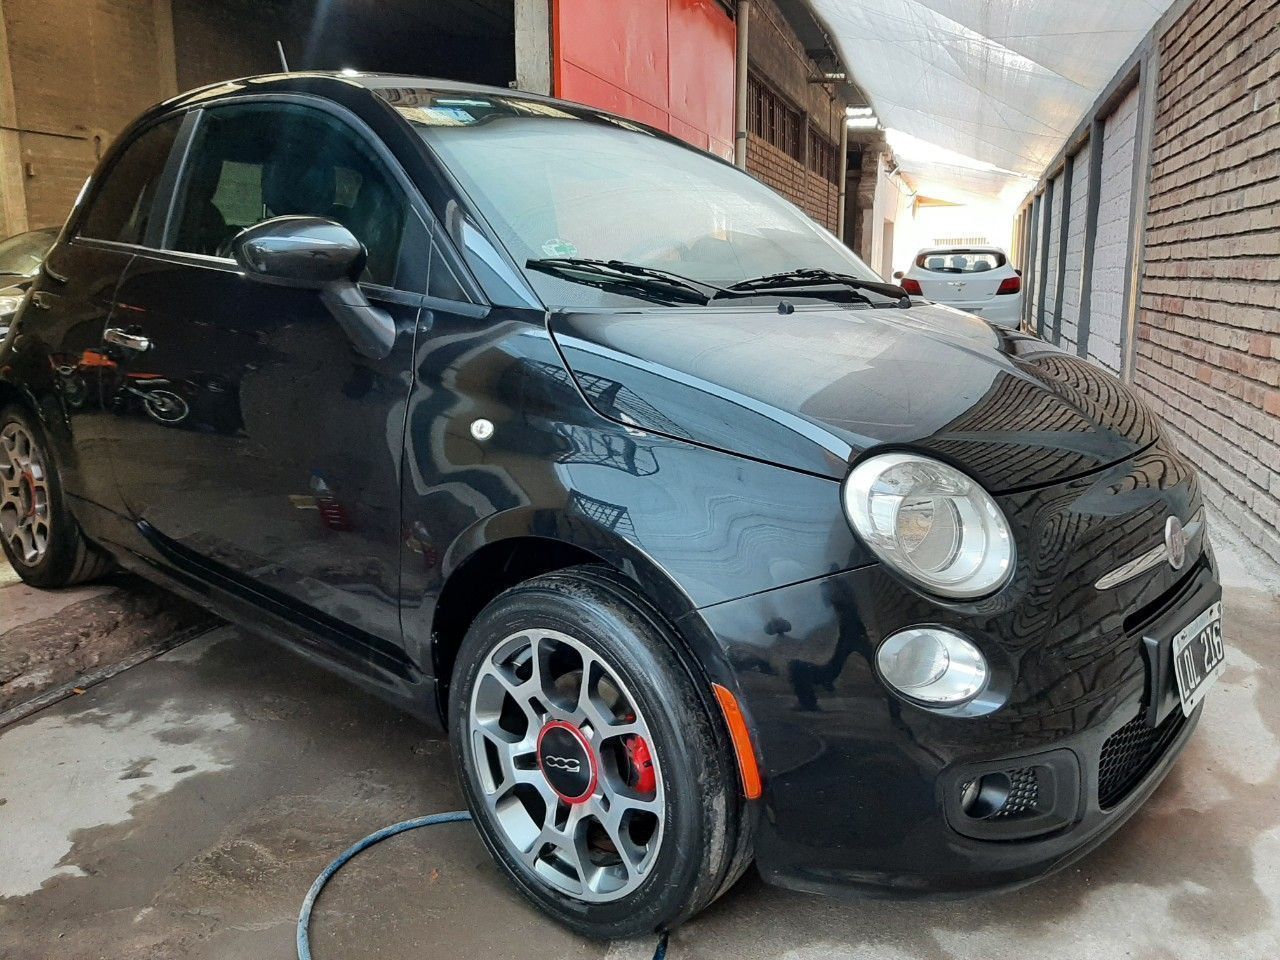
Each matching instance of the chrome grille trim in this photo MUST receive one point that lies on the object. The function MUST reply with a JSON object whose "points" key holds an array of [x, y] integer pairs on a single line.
{"points": [[1152, 558]]}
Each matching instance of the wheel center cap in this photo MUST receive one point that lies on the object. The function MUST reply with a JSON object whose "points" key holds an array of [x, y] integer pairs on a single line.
{"points": [[566, 760]]}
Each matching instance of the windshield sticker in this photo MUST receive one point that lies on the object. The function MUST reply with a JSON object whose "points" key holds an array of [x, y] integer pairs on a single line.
{"points": [[555, 247]]}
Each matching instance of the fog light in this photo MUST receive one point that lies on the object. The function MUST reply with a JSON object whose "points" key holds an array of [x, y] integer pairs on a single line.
{"points": [[986, 796], [932, 664]]}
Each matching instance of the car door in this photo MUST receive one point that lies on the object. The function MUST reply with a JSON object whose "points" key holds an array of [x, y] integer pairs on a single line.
{"points": [[250, 438], [71, 300]]}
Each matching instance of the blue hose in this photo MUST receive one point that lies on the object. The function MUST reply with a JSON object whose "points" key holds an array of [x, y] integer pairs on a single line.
{"points": [[453, 816]]}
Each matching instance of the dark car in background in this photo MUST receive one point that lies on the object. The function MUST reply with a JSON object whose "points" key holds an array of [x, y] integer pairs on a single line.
{"points": [[706, 546], [20, 259]]}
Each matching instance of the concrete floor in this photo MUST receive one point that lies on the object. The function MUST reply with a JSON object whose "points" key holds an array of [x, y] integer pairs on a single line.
{"points": [[182, 808]]}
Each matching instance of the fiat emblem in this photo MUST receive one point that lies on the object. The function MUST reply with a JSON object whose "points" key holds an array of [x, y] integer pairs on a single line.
{"points": [[1175, 542]]}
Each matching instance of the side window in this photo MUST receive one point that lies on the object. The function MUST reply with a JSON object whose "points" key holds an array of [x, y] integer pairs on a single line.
{"points": [[254, 162], [120, 208]]}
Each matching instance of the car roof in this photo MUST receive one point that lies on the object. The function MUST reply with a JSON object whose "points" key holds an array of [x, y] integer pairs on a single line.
{"points": [[340, 85], [962, 248], [338, 82]]}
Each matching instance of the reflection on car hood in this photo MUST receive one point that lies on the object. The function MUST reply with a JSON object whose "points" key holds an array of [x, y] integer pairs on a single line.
{"points": [[815, 389]]}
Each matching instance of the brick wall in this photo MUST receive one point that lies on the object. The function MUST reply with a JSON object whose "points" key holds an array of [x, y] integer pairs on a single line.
{"points": [[816, 196], [1111, 249], [777, 55], [1208, 350], [1074, 253]]}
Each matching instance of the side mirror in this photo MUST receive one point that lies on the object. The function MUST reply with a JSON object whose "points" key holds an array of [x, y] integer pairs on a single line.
{"points": [[315, 254], [898, 275], [299, 252]]}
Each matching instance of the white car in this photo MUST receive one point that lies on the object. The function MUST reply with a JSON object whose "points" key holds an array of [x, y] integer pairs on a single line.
{"points": [[978, 280]]}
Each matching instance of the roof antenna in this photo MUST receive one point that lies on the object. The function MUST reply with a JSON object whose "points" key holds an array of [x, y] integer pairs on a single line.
{"points": [[284, 64]]}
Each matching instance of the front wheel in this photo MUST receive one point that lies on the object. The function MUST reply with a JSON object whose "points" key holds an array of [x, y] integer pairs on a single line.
{"points": [[593, 769], [42, 540]]}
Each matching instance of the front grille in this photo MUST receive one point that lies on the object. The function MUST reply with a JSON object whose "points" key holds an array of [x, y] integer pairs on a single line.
{"points": [[1130, 753], [1024, 794]]}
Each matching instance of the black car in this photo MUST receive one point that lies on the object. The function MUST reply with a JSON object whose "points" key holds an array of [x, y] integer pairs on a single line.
{"points": [[706, 545], [20, 259]]}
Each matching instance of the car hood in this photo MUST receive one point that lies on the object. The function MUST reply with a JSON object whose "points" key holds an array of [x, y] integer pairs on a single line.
{"points": [[815, 389]]}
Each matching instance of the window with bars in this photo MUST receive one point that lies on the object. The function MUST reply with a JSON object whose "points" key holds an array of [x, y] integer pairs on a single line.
{"points": [[774, 120], [822, 156]]}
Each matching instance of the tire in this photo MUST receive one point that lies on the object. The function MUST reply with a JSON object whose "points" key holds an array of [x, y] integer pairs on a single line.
{"points": [[166, 407], [42, 540], [645, 707]]}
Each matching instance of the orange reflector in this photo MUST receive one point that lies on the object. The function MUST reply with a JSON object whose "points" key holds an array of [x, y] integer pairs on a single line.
{"points": [[741, 738]]}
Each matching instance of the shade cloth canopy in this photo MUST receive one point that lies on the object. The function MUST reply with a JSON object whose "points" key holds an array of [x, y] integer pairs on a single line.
{"points": [[1003, 83]]}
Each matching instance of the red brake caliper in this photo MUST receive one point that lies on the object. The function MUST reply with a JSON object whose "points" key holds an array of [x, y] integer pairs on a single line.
{"points": [[644, 780]]}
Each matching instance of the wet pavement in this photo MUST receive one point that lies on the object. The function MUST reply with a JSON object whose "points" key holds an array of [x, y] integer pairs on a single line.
{"points": [[181, 809]]}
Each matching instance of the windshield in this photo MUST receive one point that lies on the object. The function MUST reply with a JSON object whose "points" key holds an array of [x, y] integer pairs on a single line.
{"points": [[561, 184], [21, 255]]}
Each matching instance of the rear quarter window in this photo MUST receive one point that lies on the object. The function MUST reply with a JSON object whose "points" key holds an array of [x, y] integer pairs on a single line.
{"points": [[961, 261]]}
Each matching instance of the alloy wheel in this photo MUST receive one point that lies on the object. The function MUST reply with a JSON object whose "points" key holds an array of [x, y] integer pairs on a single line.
{"points": [[25, 521], [565, 765]]}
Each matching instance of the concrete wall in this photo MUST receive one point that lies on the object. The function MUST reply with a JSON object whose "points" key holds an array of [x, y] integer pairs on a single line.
{"points": [[74, 74], [1208, 349]]}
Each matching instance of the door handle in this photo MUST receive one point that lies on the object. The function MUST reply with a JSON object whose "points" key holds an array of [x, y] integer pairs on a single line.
{"points": [[127, 341]]}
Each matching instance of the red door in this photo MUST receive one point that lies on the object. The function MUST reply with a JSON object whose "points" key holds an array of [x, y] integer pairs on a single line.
{"points": [[667, 63]]}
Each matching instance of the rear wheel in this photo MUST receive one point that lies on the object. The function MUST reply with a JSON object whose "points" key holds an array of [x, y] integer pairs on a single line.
{"points": [[591, 765], [41, 539]]}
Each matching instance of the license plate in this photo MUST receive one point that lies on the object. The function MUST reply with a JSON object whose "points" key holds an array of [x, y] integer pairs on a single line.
{"points": [[1198, 657]]}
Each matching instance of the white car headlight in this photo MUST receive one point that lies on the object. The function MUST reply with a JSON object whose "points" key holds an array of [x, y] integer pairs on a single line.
{"points": [[931, 523], [932, 664]]}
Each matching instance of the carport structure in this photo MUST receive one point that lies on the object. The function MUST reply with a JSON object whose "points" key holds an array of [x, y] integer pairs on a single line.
{"points": [[1149, 136]]}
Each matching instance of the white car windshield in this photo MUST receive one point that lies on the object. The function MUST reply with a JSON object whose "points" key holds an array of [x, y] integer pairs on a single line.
{"points": [[555, 184]]}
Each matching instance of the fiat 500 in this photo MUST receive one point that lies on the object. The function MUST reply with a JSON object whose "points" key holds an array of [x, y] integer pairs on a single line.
{"points": [[706, 545]]}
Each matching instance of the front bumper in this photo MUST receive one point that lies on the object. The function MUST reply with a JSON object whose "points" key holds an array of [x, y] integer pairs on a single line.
{"points": [[862, 787]]}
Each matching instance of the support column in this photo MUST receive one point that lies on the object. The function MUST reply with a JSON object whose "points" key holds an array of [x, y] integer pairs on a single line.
{"points": [[1096, 133], [533, 46], [1043, 270], [743, 26], [13, 188], [1148, 90], [1060, 280], [844, 177]]}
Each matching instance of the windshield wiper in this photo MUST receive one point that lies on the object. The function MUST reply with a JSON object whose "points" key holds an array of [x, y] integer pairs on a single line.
{"points": [[812, 277], [632, 278]]}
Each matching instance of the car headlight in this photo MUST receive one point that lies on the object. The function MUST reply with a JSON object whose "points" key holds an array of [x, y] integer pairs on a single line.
{"points": [[933, 665], [931, 523]]}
